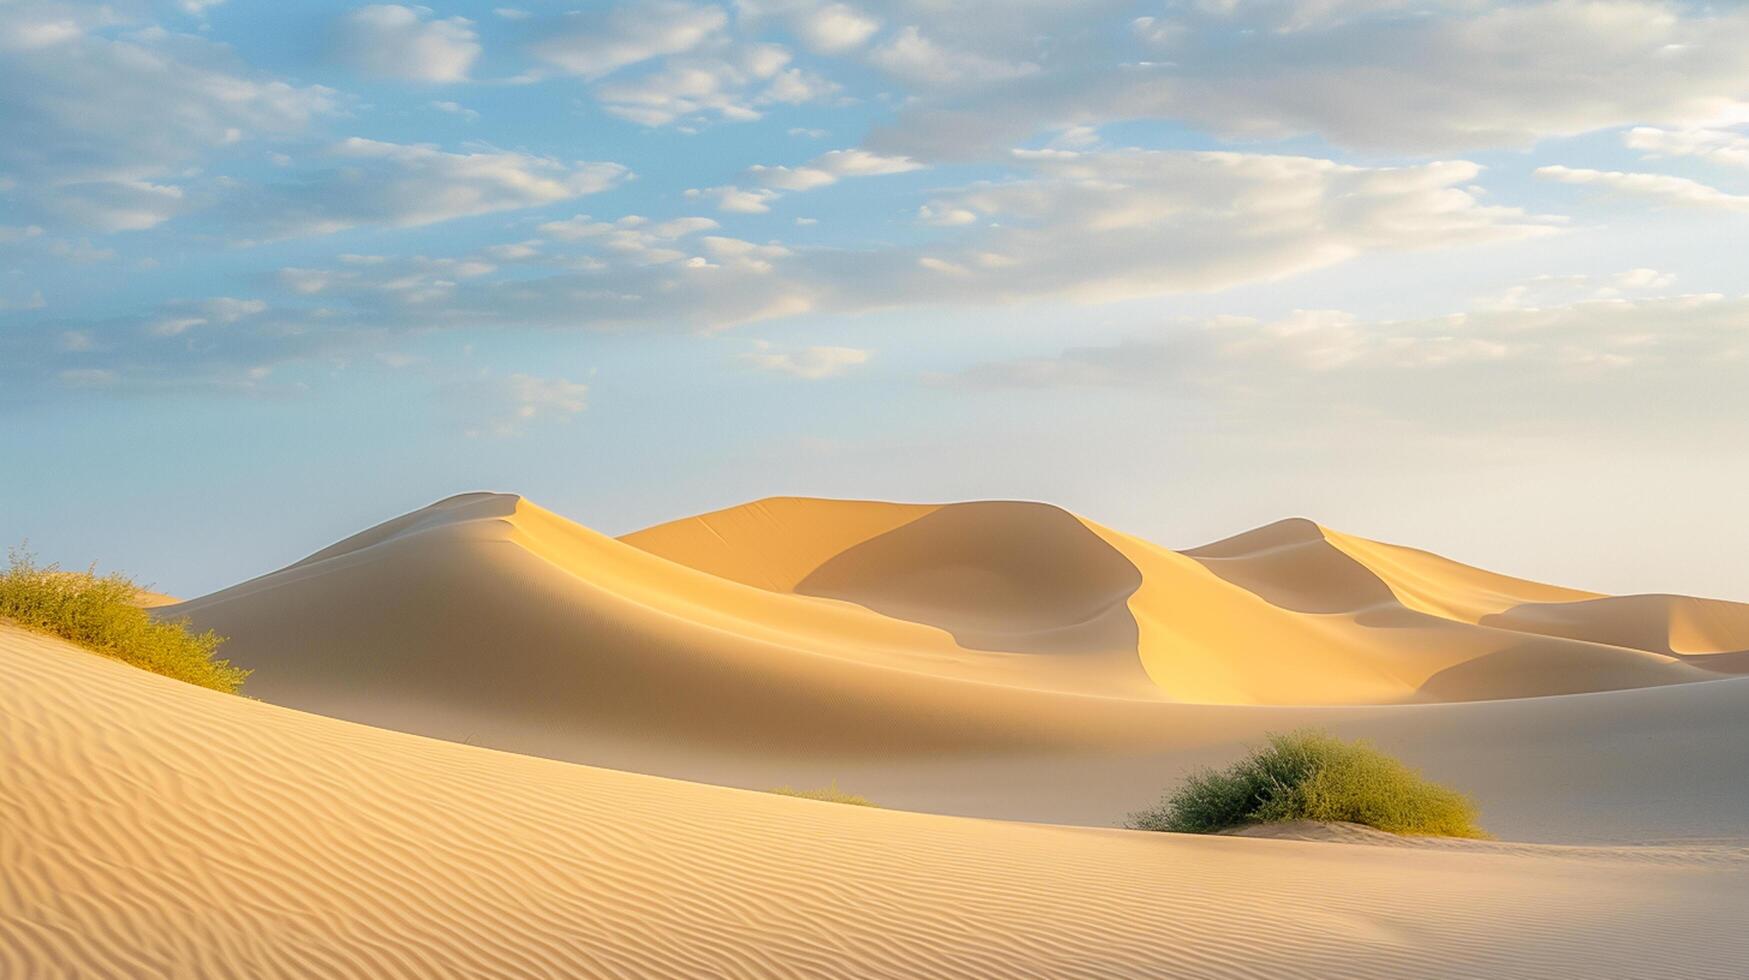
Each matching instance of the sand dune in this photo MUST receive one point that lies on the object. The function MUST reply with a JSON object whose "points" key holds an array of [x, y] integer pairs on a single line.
{"points": [[994, 659], [155, 829], [500, 601]]}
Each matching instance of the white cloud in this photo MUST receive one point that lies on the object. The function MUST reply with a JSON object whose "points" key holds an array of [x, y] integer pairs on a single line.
{"points": [[534, 396], [736, 85], [914, 58], [119, 205], [743, 256], [304, 281], [99, 129], [226, 309], [945, 216], [1659, 188], [792, 178], [402, 185], [1436, 77], [861, 163], [1089, 228], [179, 318], [679, 227], [514, 251], [1724, 146], [505, 406], [1637, 279], [822, 27], [828, 168], [733, 199], [1118, 224], [391, 41], [810, 363], [633, 238], [597, 42], [1297, 15], [1633, 362], [1548, 291], [456, 109], [834, 28]]}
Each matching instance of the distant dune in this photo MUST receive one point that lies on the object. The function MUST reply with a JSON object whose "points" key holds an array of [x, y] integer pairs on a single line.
{"points": [[1018, 595], [993, 658], [156, 829]]}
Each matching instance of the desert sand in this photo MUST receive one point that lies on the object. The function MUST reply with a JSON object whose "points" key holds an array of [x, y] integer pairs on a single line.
{"points": [[999, 659], [157, 829], [491, 741]]}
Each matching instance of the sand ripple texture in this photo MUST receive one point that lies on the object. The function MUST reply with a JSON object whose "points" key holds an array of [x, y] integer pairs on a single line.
{"points": [[151, 829]]}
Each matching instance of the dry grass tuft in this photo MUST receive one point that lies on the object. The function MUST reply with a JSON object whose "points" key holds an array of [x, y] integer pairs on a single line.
{"points": [[1311, 775], [102, 613]]}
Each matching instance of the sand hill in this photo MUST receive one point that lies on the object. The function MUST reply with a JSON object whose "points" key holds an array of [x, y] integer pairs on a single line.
{"points": [[996, 659], [157, 829], [895, 599]]}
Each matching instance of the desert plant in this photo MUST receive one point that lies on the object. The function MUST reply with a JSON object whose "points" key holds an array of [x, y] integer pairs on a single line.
{"points": [[1311, 775], [101, 613], [829, 794]]}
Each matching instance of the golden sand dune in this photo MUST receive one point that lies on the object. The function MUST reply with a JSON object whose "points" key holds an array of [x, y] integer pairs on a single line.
{"points": [[996, 659], [496, 600], [156, 829]]}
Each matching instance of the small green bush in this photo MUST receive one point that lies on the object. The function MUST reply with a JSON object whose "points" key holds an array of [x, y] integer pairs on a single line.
{"points": [[1310, 775], [830, 794], [102, 614]]}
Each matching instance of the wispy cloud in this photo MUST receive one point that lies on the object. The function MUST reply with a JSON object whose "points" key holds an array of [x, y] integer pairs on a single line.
{"points": [[506, 406], [401, 186], [392, 41], [1657, 188], [1575, 363], [809, 363]]}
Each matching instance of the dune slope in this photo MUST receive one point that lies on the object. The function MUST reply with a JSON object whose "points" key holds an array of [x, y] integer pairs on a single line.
{"points": [[154, 829], [1290, 613], [922, 649]]}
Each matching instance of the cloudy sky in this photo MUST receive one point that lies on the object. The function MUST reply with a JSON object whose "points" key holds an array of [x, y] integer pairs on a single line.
{"points": [[1464, 274]]}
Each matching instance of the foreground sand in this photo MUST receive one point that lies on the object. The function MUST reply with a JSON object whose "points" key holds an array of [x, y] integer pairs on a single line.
{"points": [[156, 829]]}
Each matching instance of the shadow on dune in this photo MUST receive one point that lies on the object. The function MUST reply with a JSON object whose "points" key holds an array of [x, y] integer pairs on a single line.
{"points": [[997, 575], [1708, 633], [1289, 564], [1539, 667]]}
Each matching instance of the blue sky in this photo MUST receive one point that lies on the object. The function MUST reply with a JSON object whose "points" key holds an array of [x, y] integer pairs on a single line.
{"points": [[1464, 274]]}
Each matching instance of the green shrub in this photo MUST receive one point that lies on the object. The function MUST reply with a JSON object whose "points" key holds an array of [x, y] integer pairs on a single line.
{"points": [[1310, 775], [830, 794], [102, 614]]}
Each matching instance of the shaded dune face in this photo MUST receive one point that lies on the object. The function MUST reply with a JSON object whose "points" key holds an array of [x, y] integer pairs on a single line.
{"points": [[997, 575], [1707, 632], [1292, 565]]}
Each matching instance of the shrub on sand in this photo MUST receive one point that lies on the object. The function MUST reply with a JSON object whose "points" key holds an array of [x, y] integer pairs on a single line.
{"points": [[830, 794], [1311, 775], [102, 614]]}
